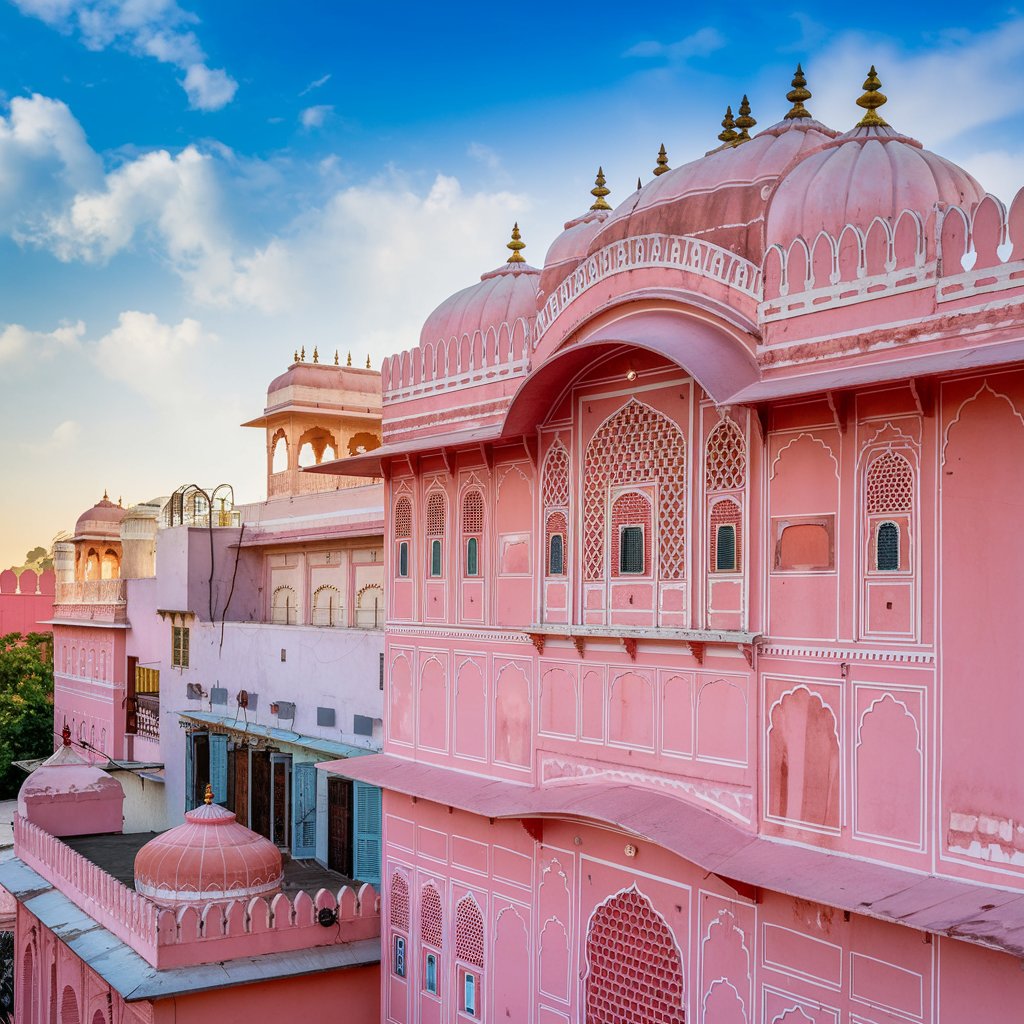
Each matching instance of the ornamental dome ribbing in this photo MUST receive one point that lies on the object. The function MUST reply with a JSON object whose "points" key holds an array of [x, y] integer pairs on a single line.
{"points": [[212, 856]]}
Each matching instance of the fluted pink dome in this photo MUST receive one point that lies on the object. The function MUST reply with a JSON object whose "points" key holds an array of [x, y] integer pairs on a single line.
{"points": [[210, 857], [869, 172], [571, 246], [722, 196], [503, 296], [102, 520]]}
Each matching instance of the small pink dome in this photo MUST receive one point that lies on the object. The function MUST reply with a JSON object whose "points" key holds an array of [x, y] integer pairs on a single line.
{"points": [[328, 376], [722, 196], [503, 296], [868, 172], [571, 246], [210, 857], [103, 519]]}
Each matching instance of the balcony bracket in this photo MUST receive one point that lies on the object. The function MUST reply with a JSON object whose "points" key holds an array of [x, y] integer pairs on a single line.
{"points": [[537, 639], [629, 642], [697, 650], [578, 643]]}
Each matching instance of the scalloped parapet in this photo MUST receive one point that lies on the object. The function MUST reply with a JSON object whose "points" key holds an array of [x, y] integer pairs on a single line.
{"points": [[205, 933]]}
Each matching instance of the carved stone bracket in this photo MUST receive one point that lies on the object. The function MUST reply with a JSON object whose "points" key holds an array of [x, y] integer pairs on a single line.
{"points": [[537, 639], [697, 650], [747, 650], [629, 642], [578, 642]]}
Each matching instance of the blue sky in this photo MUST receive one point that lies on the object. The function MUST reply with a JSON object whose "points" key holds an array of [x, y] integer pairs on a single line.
{"points": [[189, 191]]}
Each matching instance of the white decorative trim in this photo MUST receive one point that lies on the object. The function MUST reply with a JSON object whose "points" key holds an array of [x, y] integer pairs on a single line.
{"points": [[679, 252], [847, 654], [456, 633]]}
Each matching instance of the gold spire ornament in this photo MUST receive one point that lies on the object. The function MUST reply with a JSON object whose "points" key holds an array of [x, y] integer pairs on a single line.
{"points": [[335, 357], [639, 183], [661, 164], [296, 357], [368, 363], [302, 353], [728, 134], [316, 354], [744, 122], [599, 191], [871, 101], [517, 244], [208, 795], [348, 362], [798, 95]]}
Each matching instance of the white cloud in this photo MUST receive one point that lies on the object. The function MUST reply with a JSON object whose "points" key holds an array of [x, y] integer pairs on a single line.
{"points": [[151, 357], [485, 155], [66, 433], [701, 43], [20, 343], [152, 28], [314, 117], [316, 84]]}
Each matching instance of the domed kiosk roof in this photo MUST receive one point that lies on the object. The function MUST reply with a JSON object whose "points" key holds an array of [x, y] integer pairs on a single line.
{"points": [[68, 796], [103, 520], [212, 856]]}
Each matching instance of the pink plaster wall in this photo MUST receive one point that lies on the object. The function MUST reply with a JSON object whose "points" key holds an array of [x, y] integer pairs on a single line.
{"points": [[26, 601]]}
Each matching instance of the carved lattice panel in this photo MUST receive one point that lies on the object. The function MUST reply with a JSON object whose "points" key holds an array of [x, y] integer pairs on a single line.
{"points": [[435, 515], [556, 477], [635, 973], [403, 518], [469, 933], [473, 512], [890, 486], [431, 918], [636, 445], [399, 902], [726, 465]]}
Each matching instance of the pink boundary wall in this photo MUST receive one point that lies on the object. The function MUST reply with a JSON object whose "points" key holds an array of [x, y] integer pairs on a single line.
{"points": [[26, 601]]}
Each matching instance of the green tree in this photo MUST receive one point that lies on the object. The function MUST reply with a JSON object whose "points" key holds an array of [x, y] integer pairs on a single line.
{"points": [[26, 704], [34, 555]]}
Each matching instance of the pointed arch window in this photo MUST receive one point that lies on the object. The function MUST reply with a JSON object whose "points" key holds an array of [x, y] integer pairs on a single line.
{"points": [[435, 533], [887, 547], [472, 531], [403, 535]]}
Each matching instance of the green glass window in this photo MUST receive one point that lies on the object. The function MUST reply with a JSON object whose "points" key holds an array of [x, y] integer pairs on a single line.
{"points": [[725, 548], [631, 550], [435, 558], [403, 558], [556, 555], [887, 548], [472, 557]]}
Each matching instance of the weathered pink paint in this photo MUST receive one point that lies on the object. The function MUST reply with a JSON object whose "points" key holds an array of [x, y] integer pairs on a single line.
{"points": [[701, 691]]}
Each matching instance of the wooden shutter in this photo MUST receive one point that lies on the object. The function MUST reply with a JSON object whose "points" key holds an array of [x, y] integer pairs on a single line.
{"points": [[367, 842], [190, 773], [304, 810]]}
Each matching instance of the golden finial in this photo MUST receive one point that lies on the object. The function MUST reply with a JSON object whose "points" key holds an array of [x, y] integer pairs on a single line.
{"points": [[599, 191], [744, 122], [302, 354], [728, 133], [517, 244], [296, 359], [106, 497], [798, 95], [208, 796], [335, 357], [639, 183], [661, 164], [368, 363], [349, 360], [120, 501], [316, 354], [871, 101]]}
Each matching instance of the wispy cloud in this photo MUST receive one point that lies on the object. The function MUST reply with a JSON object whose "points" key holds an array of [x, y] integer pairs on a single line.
{"points": [[314, 117], [153, 28], [316, 83], [484, 155], [20, 343], [701, 43]]}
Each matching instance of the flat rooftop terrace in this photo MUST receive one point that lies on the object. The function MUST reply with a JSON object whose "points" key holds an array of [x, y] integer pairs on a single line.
{"points": [[115, 854]]}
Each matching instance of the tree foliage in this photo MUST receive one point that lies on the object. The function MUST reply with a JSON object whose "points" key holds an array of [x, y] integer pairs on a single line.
{"points": [[26, 704]]}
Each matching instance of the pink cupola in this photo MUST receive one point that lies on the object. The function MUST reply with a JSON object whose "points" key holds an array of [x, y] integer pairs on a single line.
{"points": [[67, 796], [721, 197], [571, 246], [210, 857], [503, 302], [869, 172], [101, 522]]}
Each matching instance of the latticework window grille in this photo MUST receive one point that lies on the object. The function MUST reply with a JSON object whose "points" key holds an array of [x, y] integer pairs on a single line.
{"points": [[431, 917], [403, 518], [890, 485], [726, 458], [469, 933]]}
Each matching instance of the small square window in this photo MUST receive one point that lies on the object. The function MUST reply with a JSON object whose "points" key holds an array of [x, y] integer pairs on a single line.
{"points": [[403, 558], [469, 994], [556, 555], [398, 960], [472, 557], [179, 646], [631, 550], [435, 558]]}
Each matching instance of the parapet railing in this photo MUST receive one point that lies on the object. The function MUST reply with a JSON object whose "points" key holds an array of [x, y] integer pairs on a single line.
{"points": [[209, 932], [92, 592]]}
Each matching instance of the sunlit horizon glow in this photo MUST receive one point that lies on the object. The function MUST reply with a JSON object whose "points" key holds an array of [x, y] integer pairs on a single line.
{"points": [[189, 192]]}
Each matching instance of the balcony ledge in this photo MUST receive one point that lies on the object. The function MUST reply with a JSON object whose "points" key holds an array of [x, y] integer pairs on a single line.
{"points": [[696, 640]]}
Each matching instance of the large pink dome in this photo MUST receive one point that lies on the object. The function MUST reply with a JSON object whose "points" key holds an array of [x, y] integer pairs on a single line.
{"points": [[871, 171], [503, 296], [210, 857], [722, 196], [102, 520]]}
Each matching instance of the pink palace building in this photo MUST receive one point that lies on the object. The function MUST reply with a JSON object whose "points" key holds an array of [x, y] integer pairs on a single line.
{"points": [[703, 695]]}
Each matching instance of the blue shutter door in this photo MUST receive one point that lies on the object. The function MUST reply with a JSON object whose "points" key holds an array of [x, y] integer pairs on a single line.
{"points": [[304, 811], [190, 786], [219, 768], [366, 830]]}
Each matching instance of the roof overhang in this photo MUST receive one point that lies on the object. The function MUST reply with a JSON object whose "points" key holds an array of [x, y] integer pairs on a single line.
{"points": [[250, 730], [982, 914]]}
